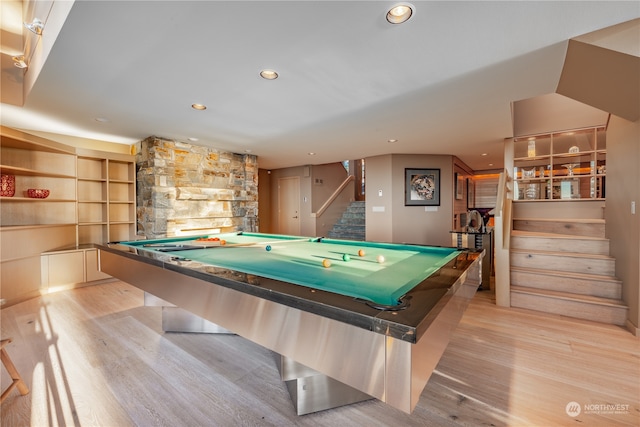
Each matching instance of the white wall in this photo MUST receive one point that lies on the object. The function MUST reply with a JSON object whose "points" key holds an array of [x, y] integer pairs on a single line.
{"points": [[388, 219], [623, 227]]}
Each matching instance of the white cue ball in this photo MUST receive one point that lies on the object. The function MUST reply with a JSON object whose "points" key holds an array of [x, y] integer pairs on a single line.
{"points": [[380, 259]]}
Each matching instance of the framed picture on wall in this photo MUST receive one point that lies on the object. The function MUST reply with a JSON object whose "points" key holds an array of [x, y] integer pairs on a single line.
{"points": [[422, 187], [459, 186]]}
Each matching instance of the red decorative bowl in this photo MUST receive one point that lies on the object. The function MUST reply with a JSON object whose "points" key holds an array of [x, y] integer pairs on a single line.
{"points": [[7, 185], [38, 193]]}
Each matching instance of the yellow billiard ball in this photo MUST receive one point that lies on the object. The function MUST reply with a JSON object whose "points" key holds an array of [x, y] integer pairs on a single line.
{"points": [[380, 259], [326, 263], [361, 252]]}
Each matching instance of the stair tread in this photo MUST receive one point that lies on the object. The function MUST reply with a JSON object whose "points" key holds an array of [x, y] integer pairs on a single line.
{"points": [[564, 253], [524, 233], [585, 276], [573, 220], [570, 296]]}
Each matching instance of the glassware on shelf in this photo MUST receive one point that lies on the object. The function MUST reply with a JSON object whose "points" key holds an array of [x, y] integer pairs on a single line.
{"points": [[570, 167], [532, 191], [531, 149]]}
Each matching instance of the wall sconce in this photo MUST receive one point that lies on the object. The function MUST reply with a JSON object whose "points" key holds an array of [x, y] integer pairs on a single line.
{"points": [[36, 26], [19, 61]]}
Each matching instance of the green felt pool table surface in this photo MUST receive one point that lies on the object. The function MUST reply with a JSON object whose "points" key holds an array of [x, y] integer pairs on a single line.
{"points": [[299, 260]]}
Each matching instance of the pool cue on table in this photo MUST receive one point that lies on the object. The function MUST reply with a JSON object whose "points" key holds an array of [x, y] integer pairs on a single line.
{"points": [[231, 245], [235, 245]]}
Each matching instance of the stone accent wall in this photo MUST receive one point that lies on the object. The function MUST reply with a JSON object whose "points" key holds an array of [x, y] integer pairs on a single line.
{"points": [[187, 189]]}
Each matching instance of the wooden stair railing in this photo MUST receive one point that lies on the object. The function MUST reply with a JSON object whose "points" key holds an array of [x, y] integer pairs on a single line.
{"points": [[503, 225]]}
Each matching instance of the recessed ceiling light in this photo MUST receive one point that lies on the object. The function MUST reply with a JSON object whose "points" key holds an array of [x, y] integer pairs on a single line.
{"points": [[192, 139], [268, 74], [311, 154], [400, 13], [484, 154], [392, 140], [490, 164], [199, 107], [101, 119]]}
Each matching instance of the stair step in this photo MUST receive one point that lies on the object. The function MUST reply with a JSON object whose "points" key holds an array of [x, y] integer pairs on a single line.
{"points": [[351, 225], [602, 265], [575, 283], [604, 310], [559, 242], [577, 227]]}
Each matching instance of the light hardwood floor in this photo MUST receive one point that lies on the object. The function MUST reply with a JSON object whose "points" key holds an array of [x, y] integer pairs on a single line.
{"points": [[95, 356]]}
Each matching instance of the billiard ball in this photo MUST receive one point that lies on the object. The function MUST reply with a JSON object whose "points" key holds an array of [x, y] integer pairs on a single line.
{"points": [[326, 263], [346, 257], [380, 259], [268, 248], [361, 252]]}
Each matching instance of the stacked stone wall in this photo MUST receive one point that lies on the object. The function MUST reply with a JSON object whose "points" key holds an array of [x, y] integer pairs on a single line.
{"points": [[188, 189]]}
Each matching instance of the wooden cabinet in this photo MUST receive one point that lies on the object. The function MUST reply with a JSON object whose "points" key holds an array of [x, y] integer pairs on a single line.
{"points": [[561, 166], [45, 242], [66, 268]]}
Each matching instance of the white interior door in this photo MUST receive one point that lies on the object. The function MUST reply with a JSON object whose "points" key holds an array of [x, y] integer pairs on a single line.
{"points": [[289, 205]]}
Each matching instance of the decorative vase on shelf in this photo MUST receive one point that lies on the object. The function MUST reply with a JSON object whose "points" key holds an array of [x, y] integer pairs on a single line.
{"points": [[7, 185]]}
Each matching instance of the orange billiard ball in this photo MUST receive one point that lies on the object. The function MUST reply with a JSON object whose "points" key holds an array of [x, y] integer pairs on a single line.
{"points": [[326, 263], [361, 252]]}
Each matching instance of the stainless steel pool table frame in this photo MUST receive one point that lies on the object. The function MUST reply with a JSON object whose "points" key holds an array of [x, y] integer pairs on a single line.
{"points": [[364, 352]]}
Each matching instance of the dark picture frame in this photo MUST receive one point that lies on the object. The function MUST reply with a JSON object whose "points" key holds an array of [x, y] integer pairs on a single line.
{"points": [[422, 187]]}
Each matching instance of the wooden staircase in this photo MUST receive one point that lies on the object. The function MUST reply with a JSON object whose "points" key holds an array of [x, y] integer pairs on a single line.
{"points": [[563, 267]]}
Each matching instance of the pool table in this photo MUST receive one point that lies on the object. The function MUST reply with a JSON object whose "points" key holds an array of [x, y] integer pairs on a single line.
{"points": [[352, 320]]}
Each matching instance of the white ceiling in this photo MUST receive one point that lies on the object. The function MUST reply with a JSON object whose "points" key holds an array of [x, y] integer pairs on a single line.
{"points": [[442, 83]]}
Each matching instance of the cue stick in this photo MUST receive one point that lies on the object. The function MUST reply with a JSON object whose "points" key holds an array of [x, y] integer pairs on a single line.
{"points": [[233, 245]]}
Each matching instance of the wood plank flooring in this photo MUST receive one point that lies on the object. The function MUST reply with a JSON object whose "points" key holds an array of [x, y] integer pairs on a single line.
{"points": [[95, 356]]}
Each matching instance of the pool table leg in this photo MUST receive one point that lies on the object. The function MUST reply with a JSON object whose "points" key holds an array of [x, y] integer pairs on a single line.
{"points": [[312, 391], [176, 319]]}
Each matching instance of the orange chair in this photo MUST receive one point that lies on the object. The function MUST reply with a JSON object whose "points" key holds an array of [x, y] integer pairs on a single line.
{"points": [[17, 379]]}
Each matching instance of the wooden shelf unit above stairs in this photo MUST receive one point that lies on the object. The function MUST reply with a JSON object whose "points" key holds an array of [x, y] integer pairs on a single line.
{"points": [[562, 266]]}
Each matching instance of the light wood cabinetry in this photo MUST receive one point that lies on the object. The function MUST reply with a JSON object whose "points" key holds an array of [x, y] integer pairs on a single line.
{"points": [[561, 166], [106, 197], [45, 243]]}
